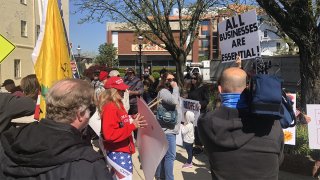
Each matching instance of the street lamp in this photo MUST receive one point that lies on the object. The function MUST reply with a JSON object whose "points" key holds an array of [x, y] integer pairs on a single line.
{"points": [[140, 39], [79, 51]]}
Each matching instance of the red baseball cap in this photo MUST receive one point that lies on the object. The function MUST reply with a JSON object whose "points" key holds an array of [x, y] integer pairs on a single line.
{"points": [[103, 75], [116, 82]]}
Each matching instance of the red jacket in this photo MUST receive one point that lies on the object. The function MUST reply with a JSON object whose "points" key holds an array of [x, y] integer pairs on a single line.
{"points": [[116, 129]]}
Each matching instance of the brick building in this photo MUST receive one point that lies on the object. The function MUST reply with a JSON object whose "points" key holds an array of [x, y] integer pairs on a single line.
{"points": [[125, 39]]}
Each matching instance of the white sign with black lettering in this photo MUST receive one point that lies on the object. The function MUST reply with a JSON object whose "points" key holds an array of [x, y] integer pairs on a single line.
{"points": [[238, 35]]}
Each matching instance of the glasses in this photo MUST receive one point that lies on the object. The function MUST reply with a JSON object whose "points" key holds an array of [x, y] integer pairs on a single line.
{"points": [[171, 79], [194, 78]]}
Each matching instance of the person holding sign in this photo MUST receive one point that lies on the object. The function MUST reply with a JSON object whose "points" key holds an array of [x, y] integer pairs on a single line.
{"points": [[239, 145], [198, 92], [117, 128]]}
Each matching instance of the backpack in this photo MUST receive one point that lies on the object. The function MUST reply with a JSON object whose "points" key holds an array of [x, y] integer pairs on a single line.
{"points": [[267, 99]]}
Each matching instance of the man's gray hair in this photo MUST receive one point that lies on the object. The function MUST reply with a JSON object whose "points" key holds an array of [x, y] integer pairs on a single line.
{"points": [[66, 98]]}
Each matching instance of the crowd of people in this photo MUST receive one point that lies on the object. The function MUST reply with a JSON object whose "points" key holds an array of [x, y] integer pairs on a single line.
{"points": [[238, 146]]}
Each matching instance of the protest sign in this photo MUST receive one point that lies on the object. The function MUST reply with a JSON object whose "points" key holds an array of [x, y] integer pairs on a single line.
{"points": [[95, 122], [151, 140], [313, 111], [190, 105], [238, 35], [290, 133]]}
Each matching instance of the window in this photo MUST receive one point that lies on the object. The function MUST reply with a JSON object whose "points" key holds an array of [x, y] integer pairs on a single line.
{"points": [[278, 46], [24, 29], [17, 68], [205, 43], [265, 34], [23, 2], [37, 31]]}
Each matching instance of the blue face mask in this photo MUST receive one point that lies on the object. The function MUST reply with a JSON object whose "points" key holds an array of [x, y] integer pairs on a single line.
{"points": [[233, 100]]}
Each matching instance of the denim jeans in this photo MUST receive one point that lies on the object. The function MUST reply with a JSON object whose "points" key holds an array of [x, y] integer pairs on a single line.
{"points": [[165, 168], [188, 147]]}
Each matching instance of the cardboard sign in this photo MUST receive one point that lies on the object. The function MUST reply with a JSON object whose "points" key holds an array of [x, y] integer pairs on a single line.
{"points": [[239, 36]]}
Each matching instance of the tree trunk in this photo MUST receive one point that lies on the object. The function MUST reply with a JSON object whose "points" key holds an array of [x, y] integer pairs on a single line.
{"points": [[180, 67], [310, 74]]}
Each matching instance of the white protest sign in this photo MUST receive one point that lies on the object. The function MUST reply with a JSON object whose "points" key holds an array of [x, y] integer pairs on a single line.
{"points": [[190, 105], [313, 110], [238, 35], [290, 133], [151, 140]]}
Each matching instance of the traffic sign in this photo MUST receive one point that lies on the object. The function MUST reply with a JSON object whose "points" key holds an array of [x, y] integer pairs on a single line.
{"points": [[6, 47]]}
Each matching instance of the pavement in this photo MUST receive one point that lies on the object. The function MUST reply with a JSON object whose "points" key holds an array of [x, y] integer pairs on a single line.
{"points": [[200, 169]]}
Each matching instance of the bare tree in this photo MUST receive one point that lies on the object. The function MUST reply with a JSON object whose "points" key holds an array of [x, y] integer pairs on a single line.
{"points": [[151, 18], [299, 19]]}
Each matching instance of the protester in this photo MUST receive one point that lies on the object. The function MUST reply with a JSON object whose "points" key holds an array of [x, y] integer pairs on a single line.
{"points": [[188, 136], [10, 86], [148, 81], [30, 86], [117, 128], [95, 82], [125, 99], [198, 92], [14, 107], [135, 90], [114, 73], [240, 145], [52, 148], [103, 77], [169, 95]]}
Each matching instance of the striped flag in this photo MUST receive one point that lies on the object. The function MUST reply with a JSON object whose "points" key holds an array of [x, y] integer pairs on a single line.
{"points": [[51, 56]]}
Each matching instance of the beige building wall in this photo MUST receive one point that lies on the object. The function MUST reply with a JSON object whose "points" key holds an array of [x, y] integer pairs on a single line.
{"points": [[12, 13]]}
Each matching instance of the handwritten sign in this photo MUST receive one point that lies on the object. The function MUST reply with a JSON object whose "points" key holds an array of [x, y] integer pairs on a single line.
{"points": [[239, 36]]}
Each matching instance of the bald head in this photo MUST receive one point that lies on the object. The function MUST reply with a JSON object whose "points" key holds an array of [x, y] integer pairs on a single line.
{"points": [[232, 80]]}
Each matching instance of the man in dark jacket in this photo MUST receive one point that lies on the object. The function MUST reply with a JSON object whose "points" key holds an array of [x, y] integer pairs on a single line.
{"points": [[239, 145], [52, 148], [14, 107]]}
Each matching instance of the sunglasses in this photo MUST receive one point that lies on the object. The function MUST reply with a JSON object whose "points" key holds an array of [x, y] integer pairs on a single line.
{"points": [[194, 78], [171, 79]]}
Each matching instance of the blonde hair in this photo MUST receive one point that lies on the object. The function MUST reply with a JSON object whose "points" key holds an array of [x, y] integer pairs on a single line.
{"points": [[106, 96]]}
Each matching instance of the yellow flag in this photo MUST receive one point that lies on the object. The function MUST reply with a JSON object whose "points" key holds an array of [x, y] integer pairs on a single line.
{"points": [[51, 56]]}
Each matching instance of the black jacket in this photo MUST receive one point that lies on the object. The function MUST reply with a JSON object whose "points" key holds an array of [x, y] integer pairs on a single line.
{"points": [[14, 107], [241, 146], [49, 151], [200, 94]]}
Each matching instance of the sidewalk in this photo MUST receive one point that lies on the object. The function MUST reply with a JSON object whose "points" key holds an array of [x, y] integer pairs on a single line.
{"points": [[200, 169]]}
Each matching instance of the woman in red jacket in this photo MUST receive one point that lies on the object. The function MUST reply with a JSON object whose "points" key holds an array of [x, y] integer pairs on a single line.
{"points": [[117, 128]]}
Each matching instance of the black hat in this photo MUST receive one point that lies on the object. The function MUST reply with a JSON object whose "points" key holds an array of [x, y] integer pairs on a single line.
{"points": [[6, 82]]}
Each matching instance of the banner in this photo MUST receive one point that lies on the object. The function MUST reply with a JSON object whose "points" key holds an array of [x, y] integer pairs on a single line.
{"points": [[239, 36], [290, 133], [51, 56], [313, 110], [151, 140]]}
